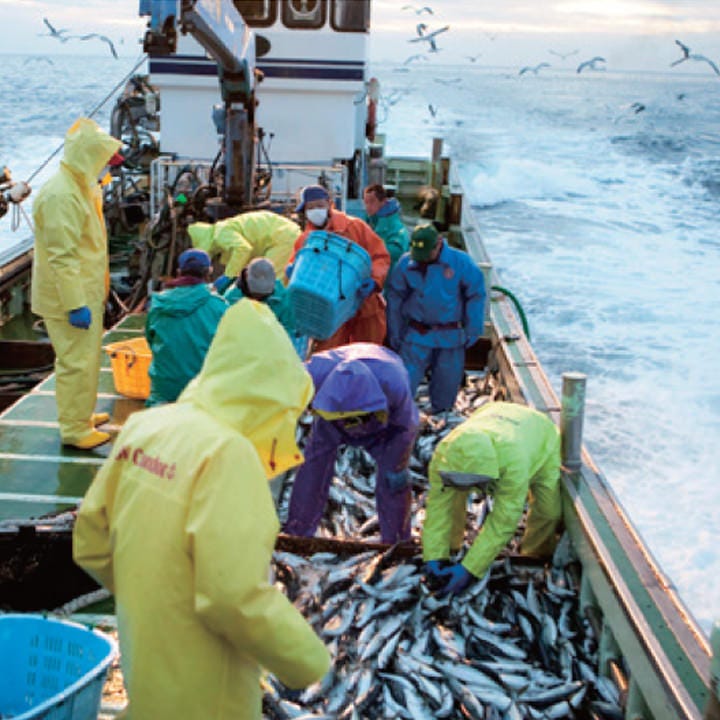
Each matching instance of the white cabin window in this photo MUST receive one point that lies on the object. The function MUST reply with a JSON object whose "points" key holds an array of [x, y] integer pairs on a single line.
{"points": [[350, 15], [257, 13], [304, 14]]}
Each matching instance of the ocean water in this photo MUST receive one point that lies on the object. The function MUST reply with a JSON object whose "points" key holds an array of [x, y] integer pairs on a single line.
{"points": [[598, 197]]}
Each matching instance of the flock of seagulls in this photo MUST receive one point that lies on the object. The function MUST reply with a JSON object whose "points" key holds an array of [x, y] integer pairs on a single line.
{"points": [[62, 35]]}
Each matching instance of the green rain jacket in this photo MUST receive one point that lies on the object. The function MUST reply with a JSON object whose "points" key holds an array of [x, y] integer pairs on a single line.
{"points": [[70, 264], [515, 444], [240, 239], [389, 226], [179, 328], [180, 525]]}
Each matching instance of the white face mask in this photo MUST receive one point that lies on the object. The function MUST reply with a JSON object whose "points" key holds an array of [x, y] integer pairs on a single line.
{"points": [[317, 216]]}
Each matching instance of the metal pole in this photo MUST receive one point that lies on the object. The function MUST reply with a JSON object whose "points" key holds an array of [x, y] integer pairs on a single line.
{"points": [[571, 419]]}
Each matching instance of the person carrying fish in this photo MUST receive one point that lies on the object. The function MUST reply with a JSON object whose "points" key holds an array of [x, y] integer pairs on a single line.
{"points": [[179, 524], [362, 398], [369, 323], [510, 452], [436, 306], [239, 239]]}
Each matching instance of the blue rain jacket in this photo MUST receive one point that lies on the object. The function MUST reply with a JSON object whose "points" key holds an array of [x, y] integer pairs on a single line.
{"points": [[278, 302], [451, 289], [180, 326], [388, 224]]}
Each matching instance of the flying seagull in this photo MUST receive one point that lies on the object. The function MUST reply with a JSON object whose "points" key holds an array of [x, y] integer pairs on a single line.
{"points": [[420, 29], [430, 38], [473, 58], [433, 110], [687, 55], [535, 69], [38, 58], [104, 38], [412, 58], [419, 11], [592, 64], [563, 56], [54, 32]]}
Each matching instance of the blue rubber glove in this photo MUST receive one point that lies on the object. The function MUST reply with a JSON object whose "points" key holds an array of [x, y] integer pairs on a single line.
{"points": [[456, 578], [366, 289], [222, 284], [397, 481], [80, 317], [289, 270]]}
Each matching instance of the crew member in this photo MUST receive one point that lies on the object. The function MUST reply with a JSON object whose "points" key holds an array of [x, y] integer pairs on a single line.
{"points": [[512, 452], [180, 326], [179, 524], [70, 277], [362, 398], [369, 323], [436, 305], [385, 219], [239, 239]]}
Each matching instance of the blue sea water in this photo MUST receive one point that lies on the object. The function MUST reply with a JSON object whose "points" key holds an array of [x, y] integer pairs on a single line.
{"points": [[603, 221]]}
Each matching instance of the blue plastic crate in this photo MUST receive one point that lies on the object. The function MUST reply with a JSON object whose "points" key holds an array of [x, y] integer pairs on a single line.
{"points": [[328, 272], [51, 669]]}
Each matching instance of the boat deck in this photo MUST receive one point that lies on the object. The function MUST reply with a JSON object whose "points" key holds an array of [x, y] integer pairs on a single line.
{"points": [[38, 475]]}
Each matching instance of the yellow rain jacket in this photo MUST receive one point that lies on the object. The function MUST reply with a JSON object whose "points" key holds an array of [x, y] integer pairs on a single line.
{"points": [[240, 239], [521, 448], [180, 525], [70, 270]]}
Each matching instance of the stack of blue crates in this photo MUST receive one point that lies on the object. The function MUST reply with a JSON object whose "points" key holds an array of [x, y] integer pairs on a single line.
{"points": [[323, 289]]}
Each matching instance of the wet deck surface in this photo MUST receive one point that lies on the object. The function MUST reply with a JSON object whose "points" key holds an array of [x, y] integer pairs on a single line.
{"points": [[38, 475]]}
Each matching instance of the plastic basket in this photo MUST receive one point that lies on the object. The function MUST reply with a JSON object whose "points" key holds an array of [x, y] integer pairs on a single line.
{"points": [[130, 361], [323, 288], [51, 669]]}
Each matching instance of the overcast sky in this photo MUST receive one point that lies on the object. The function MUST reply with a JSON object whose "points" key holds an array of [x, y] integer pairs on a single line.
{"points": [[630, 34]]}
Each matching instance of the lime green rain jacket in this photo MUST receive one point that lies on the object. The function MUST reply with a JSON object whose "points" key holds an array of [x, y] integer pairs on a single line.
{"points": [[70, 262], [180, 525], [517, 445], [240, 239]]}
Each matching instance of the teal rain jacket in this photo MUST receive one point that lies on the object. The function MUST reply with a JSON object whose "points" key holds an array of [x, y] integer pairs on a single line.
{"points": [[278, 302], [180, 525], [388, 224], [180, 326], [521, 448]]}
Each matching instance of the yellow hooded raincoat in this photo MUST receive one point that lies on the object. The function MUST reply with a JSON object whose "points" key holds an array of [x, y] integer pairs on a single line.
{"points": [[240, 239], [521, 448], [180, 525], [70, 270]]}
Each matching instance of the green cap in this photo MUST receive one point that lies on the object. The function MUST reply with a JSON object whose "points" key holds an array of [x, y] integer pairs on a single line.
{"points": [[423, 241]]}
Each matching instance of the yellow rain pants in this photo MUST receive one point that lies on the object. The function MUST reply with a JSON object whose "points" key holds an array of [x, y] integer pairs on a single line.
{"points": [[180, 524], [521, 448], [70, 267]]}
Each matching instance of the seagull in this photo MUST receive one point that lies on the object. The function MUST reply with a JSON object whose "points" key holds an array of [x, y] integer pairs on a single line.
{"points": [[535, 69], [592, 64], [430, 38], [473, 58], [420, 29], [563, 56], [57, 34], [433, 110], [419, 11], [687, 55], [104, 38], [412, 58], [36, 58], [490, 36]]}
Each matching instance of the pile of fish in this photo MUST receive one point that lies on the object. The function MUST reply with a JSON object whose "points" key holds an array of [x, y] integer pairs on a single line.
{"points": [[512, 646]]}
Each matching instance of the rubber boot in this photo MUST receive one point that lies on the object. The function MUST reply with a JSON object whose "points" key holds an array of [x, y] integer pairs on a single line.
{"points": [[91, 440], [99, 418]]}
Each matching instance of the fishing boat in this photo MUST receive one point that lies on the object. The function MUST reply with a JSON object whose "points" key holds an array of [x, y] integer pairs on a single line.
{"points": [[298, 107]]}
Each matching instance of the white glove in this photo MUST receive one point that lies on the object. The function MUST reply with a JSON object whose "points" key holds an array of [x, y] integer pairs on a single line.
{"points": [[19, 191]]}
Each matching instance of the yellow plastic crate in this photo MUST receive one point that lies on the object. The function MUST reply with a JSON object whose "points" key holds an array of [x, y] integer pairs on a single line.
{"points": [[130, 361]]}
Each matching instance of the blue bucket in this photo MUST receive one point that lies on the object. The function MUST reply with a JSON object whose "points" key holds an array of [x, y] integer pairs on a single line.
{"points": [[323, 289], [51, 669]]}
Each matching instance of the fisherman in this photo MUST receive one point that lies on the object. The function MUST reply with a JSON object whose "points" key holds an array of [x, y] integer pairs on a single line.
{"points": [[362, 398], [239, 239], [508, 451], [179, 524], [369, 323], [385, 219], [70, 278], [180, 326], [436, 305]]}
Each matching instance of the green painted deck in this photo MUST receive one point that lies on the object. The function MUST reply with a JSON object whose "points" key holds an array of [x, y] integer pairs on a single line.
{"points": [[38, 475]]}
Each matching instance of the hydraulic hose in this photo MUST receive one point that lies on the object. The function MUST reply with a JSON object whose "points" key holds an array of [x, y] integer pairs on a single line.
{"points": [[518, 307]]}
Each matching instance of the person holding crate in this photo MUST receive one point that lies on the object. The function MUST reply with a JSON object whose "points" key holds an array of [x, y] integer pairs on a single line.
{"points": [[369, 322], [362, 398]]}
